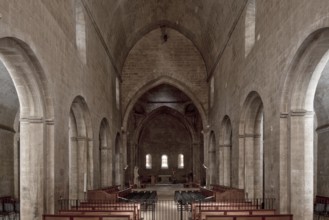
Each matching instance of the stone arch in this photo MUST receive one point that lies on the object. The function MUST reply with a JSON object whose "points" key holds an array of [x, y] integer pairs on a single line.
{"points": [[157, 82], [225, 152], [81, 172], [213, 161], [36, 128], [179, 116], [105, 151], [165, 131], [156, 24], [251, 150], [297, 124]]}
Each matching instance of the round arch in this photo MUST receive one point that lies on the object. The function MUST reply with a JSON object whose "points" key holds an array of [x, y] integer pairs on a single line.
{"points": [[297, 124], [36, 127], [251, 150], [213, 161], [105, 152], [117, 162], [225, 152], [81, 165]]}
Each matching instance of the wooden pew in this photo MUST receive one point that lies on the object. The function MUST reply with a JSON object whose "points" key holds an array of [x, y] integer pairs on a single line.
{"points": [[321, 205], [251, 217], [197, 208], [131, 213], [83, 217], [230, 194], [135, 207], [208, 213]]}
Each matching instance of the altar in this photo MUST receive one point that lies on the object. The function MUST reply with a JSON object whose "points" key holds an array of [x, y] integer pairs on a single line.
{"points": [[164, 179]]}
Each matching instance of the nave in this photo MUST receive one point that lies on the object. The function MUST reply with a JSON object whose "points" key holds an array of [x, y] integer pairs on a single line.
{"points": [[168, 201]]}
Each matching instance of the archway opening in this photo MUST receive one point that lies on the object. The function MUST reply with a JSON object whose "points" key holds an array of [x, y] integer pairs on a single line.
{"points": [[9, 135], [251, 149], [117, 162], [213, 160], [225, 152], [164, 121], [305, 95], [26, 130], [80, 150], [105, 155]]}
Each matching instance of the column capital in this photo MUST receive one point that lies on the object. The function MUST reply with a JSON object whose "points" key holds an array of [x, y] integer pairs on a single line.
{"points": [[225, 145], [32, 120], [300, 113]]}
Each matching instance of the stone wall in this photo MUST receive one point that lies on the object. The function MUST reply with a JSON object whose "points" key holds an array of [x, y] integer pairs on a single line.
{"points": [[49, 30]]}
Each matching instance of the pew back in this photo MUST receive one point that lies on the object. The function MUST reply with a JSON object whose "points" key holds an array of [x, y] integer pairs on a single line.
{"points": [[251, 217], [131, 214], [77, 217]]}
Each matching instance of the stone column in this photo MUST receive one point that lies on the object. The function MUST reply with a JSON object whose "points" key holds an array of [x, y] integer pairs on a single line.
{"points": [[249, 165], [73, 168], [82, 164], [196, 163], [284, 205], [221, 158], [104, 165], [241, 162], [301, 164], [206, 159], [225, 167], [123, 159], [258, 166], [90, 163], [32, 168], [50, 166]]}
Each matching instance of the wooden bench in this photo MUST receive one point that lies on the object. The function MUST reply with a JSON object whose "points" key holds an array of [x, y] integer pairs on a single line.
{"points": [[132, 215], [200, 207], [135, 207], [321, 205], [83, 217], [208, 213], [251, 217]]}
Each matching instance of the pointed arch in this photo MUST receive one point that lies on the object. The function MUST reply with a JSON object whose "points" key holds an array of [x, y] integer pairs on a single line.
{"points": [[157, 82]]}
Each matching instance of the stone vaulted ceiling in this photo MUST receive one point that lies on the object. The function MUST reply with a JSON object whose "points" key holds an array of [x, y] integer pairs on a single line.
{"points": [[207, 23]]}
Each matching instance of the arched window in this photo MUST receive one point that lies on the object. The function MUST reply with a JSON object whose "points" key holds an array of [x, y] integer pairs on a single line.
{"points": [[164, 162], [80, 31], [180, 161], [148, 161], [250, 26]]}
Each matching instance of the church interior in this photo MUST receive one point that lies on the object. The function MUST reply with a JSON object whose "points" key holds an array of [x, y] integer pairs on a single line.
{"points": [[211, 101]]}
